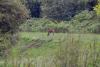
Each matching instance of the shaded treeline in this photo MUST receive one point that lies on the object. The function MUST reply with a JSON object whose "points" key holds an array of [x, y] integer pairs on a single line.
{"points": [[13, 12], [59, 9]]}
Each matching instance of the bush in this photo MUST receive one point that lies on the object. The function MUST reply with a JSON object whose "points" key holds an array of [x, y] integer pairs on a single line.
{"points": [[4, 44], [97, 9], [41, 25], [84, 22], [12, 14]]}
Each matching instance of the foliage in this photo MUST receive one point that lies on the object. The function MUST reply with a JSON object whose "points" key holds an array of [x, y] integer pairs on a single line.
{"points": [[12, 13], [5, 44], [58, 9], [63, 50], [84, 22], [78, 53], [62, 9], [35, 8], [42, 25], [84, 15], [97, 9]]}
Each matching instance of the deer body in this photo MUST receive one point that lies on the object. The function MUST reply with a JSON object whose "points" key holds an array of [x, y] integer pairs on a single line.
{"points": [[51, 31]]}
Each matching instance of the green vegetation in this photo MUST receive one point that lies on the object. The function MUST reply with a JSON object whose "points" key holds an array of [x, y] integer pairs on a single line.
{"points": [[97, 9], [12, 14], [84, 22], [25, 25], [70, 49], [41, 25]]}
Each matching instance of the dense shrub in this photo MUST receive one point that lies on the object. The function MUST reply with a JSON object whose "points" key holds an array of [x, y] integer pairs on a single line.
{"points": [[41, 25], [5, 44], [12, 14], [85, 22]]}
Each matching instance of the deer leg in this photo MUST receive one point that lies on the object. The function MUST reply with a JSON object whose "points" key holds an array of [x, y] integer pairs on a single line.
{"points": [[48, 34], [53, 33]]}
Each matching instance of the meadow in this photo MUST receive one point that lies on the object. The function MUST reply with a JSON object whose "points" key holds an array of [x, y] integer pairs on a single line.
{"points": [[36, 49], [25, 24]]}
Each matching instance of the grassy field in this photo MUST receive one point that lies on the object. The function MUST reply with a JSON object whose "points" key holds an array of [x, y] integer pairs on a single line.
{"points": [[61, 50]]}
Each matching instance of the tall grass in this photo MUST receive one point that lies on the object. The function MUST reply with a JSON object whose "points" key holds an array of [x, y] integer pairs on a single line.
{"points": [[79, 53], [73, 51]]}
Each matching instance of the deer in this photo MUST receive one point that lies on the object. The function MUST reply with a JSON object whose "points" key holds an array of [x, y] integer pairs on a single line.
{"points": [[50, 31]]}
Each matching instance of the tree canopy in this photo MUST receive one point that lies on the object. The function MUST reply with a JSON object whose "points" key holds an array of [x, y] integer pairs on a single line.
{"points": [[65, 9], [12, 14]]}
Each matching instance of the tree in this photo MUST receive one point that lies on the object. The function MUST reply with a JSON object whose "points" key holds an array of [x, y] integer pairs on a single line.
{"points": [[91, 4], [97, 8], [34, 7], [62, 9], [12, 14]]}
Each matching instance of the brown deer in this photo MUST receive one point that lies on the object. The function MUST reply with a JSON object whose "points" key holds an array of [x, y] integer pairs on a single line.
{"points": [[50, 31]]}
